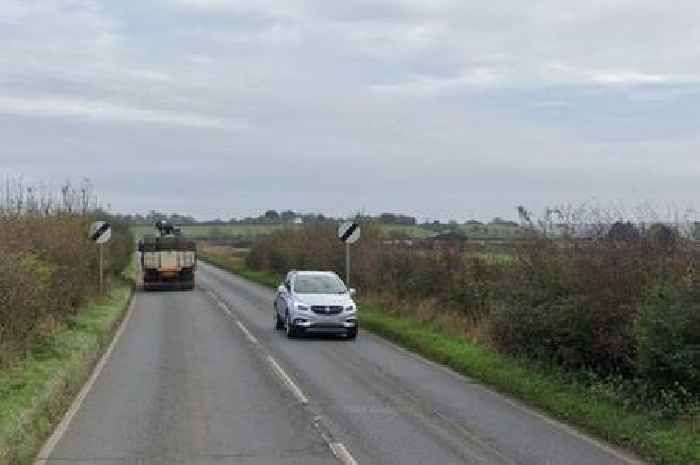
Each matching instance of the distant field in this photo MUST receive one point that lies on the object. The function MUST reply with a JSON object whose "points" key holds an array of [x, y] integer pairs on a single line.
{"points": [[488, 231], [252, 230], [415, 232], [210, 231]]}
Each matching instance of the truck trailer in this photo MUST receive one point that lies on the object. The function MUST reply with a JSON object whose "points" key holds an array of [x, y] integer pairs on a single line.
{"points": [[168, 260]]}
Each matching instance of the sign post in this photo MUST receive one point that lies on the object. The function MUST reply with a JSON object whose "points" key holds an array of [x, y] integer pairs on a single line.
{"points": [[349, 233], [100, 233], [347, 263], [99, 247]]}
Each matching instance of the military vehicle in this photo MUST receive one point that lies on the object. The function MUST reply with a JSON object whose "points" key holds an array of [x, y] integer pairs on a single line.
{"points": [[168, 260]]}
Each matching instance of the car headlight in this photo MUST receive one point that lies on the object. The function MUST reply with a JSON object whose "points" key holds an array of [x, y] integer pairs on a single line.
{"points": [[302, 307], [350, 308]]}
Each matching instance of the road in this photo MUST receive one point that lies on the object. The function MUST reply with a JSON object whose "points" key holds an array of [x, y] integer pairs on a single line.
{"points": [[202, 378]]}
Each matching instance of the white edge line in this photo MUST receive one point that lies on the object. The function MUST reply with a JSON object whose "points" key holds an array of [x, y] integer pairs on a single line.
{"points": [[50, 444], [287, 380], [341, 453], [247, 333]]}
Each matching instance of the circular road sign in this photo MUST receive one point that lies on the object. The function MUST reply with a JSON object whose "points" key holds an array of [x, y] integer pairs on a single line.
{"points": [[100, 232], [349, 232]]}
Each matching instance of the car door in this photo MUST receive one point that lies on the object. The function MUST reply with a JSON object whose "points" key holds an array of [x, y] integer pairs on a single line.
{"points": [[283, 299]]}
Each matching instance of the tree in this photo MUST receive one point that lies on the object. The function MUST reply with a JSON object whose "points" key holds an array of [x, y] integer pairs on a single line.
{"points": [[288, 216], [524, 215], [662, 235], [620, 231], [272, 215]]}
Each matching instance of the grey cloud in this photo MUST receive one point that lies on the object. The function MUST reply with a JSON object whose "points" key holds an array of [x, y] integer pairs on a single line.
{"points": [[436, 108], [109, 111]]}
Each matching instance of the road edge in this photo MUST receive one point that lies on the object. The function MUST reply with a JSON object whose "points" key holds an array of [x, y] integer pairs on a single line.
{"points": [[631, 451], [101, 359], [51, 396]]}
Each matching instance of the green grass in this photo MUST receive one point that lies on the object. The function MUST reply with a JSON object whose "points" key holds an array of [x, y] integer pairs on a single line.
{"points": [[474, 232], [547, 388], [414, 232], [36, 392], [489, 231], [237, 266]]}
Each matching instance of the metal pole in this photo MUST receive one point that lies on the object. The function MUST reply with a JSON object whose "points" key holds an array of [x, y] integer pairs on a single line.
{"points": [[100, 248], [347, 264]]}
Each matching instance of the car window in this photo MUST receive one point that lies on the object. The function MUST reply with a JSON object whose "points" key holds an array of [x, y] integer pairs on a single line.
{"points": [[319, 284]]}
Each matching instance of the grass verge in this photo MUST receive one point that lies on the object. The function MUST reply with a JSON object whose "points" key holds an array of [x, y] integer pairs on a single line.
{"points": [[237, 266], [660, 440], [35, 393]]}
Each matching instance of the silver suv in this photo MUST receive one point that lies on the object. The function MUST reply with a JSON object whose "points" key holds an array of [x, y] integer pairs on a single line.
{"points": [[315, 302]]}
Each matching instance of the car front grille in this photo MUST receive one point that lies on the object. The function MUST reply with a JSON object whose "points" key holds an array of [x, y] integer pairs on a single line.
{"points": [[326, 310]]}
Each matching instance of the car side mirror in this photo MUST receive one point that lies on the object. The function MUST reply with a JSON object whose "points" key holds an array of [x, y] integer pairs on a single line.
{"points": [[281, 289], [353, 292]]}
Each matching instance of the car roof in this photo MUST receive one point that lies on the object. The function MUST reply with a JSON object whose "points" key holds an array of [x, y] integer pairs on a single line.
{"points": [[309, 272]]}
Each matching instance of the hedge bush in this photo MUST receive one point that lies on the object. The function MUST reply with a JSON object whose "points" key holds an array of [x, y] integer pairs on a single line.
{"points": [[668, 336], [582, 304], [48, 268]]}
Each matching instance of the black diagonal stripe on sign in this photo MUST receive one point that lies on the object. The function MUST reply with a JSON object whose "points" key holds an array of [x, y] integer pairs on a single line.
{"points": [[100, 231], [349, 232]]}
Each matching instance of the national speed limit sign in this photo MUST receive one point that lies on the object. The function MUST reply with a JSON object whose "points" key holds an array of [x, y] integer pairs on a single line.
{"points": [[349, 232]]}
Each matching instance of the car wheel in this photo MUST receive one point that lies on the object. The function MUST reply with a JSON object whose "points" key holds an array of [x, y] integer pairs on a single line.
{"points": [[291, 330], [279, 322], [352, 334]]}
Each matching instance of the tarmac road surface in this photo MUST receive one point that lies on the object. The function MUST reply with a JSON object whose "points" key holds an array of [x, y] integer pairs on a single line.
{"points": [[203, 378]]}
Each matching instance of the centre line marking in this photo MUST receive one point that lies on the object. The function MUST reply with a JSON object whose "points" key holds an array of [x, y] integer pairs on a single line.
{"points": [[247, 333], [223, 307], [342, 454], [287, 380]]}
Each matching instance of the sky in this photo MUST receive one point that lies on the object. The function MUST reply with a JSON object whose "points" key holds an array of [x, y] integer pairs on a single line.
{"points": [[436, 108]]}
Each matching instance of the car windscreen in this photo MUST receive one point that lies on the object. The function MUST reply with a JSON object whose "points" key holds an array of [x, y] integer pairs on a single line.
{"points": [[318, 284]]}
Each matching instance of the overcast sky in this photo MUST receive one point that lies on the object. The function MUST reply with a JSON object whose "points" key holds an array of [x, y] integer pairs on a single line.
{"points": [[436, 108]]}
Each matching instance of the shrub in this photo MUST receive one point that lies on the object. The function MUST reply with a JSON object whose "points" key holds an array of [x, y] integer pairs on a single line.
{"points": [[450, 279], [576, 302], [580, 303], [668, 336], [25, 300], [48, 267]]}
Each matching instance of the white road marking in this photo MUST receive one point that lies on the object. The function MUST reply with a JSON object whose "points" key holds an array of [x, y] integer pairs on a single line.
{"points": [[341, 453], [287, 380], [223, 307], [253, 340], [337, 448], [247, 333], [50, 444]]}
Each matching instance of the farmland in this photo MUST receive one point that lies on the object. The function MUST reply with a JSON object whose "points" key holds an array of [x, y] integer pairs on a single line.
{"points": [[224, 231], [201, 231]]}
